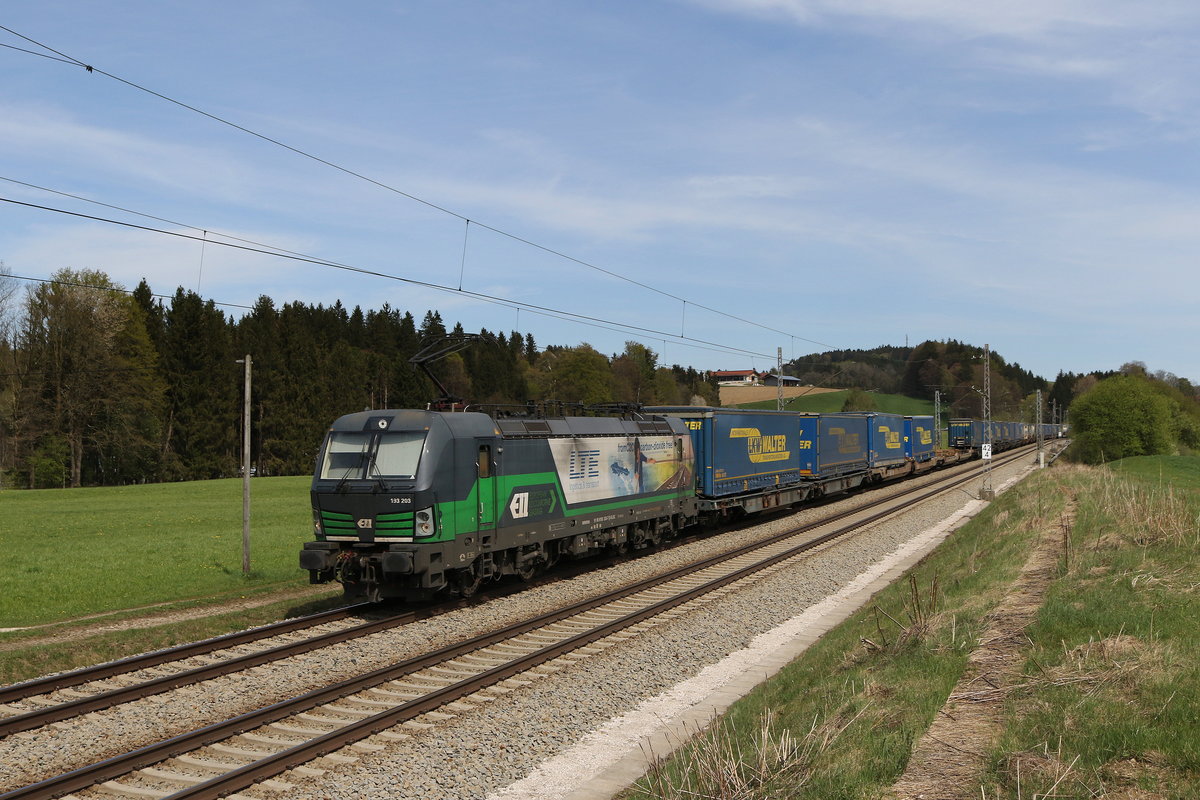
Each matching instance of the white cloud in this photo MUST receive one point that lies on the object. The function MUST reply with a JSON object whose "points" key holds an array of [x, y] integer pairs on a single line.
{"points": [[51, 134], [1141, 53], [1020, 19]]}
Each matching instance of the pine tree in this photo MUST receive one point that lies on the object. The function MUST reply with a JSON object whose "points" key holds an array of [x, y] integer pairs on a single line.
{"points": [[201, 437]]}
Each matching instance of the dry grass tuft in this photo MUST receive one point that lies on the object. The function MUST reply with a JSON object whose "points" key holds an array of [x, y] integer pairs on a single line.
{"points": [[916, 621], [1117, 661], [1056, 777], [717, 766], [1148, 514], [1108, 650], [1124, 778]]}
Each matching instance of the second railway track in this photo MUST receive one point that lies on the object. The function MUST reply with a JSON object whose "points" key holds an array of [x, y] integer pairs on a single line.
{"points": [[32, 704], [358, 708]]}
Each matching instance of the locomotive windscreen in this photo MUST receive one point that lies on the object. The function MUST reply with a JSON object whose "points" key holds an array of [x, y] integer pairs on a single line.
{"points": [[352, 455]]}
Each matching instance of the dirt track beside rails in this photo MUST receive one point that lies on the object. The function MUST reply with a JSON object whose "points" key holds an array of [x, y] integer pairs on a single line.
{"points": [[85, 627]]}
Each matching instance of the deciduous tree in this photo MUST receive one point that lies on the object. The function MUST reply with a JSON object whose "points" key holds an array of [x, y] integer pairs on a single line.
{"points": [[1120, 417]]}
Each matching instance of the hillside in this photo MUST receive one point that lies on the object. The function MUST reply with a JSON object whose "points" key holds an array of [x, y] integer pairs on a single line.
{"points": [[739, 395], [949, 366], [833, 400]]}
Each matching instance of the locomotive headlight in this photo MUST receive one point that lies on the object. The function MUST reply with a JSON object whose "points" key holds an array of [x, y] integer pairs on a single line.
{"points": [[424, 522], [317, 522]]}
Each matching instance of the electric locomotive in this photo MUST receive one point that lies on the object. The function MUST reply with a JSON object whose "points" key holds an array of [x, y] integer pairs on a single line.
{"points": [[410, 503]]}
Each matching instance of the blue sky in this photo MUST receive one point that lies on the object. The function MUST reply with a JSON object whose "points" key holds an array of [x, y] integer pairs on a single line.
{"points": [[850, 174]]}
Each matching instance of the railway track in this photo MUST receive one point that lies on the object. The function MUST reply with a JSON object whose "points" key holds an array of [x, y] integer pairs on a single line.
{"points": [[33, 704], [333, 722], [124, 666]]}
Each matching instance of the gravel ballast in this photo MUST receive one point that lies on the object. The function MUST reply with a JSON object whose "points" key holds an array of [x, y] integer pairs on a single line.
{"points": [[485, 750], [487, 754]]}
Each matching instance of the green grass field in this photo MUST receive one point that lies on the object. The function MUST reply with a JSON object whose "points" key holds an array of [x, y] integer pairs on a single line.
{"points": [[75, 552], [1181, 471]]}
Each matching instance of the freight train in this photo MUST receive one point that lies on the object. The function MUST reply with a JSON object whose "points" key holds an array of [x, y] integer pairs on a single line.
{"points": [[409, 504], [972, 434]]}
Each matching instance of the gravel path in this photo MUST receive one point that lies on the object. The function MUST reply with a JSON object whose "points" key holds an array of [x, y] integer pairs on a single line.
{"points": [[473, 755]]}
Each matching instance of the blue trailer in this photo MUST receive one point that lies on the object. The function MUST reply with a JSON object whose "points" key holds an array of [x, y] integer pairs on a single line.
{"points": [[884, 436], [960, 433], [746, 451], [887, 439], [750, 460], [918, 438], [966, 434], [843, 444]]}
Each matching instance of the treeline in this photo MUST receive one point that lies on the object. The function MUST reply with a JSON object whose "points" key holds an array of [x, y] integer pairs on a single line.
{"points": [[956, 369], [951, 367], [100, 386], [880, 369], [1113, 414]]}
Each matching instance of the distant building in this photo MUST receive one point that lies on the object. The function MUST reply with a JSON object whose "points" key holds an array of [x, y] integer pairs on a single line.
{"points": [[735, 377], [770, 379]]}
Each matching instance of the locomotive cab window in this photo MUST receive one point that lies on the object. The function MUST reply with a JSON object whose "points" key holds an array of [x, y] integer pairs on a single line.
{"points": [[345, 455], [351, 455], [399, 454]]}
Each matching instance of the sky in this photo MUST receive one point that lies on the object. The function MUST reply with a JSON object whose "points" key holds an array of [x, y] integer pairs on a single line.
{"points": [[717, 179]]}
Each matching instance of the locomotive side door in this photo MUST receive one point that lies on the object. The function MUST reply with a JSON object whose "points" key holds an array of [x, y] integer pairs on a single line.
{"points": [[485, 483]]}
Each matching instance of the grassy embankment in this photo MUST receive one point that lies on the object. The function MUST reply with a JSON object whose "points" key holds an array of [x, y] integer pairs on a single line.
{"points": [[829, 402], [1108, 699], [113, 553]]}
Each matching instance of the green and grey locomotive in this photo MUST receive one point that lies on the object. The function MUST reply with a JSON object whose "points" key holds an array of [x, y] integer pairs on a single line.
{"points": [[410, 503]]}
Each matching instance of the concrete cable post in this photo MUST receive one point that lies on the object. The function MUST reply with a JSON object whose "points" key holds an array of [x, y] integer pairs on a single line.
{"points": [[246, 469]]}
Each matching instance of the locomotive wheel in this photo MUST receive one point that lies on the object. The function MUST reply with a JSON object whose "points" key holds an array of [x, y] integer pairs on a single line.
{"points": [[466, 581], [529, 570]]}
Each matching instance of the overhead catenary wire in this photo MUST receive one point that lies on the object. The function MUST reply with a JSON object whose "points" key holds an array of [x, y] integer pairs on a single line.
{"points": [[145, 215], [91, 69], [538, 309], [266, 246], [157, 296]]}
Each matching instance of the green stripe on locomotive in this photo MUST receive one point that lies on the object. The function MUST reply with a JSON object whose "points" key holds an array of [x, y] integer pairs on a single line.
{"points": [[531, 499]]}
